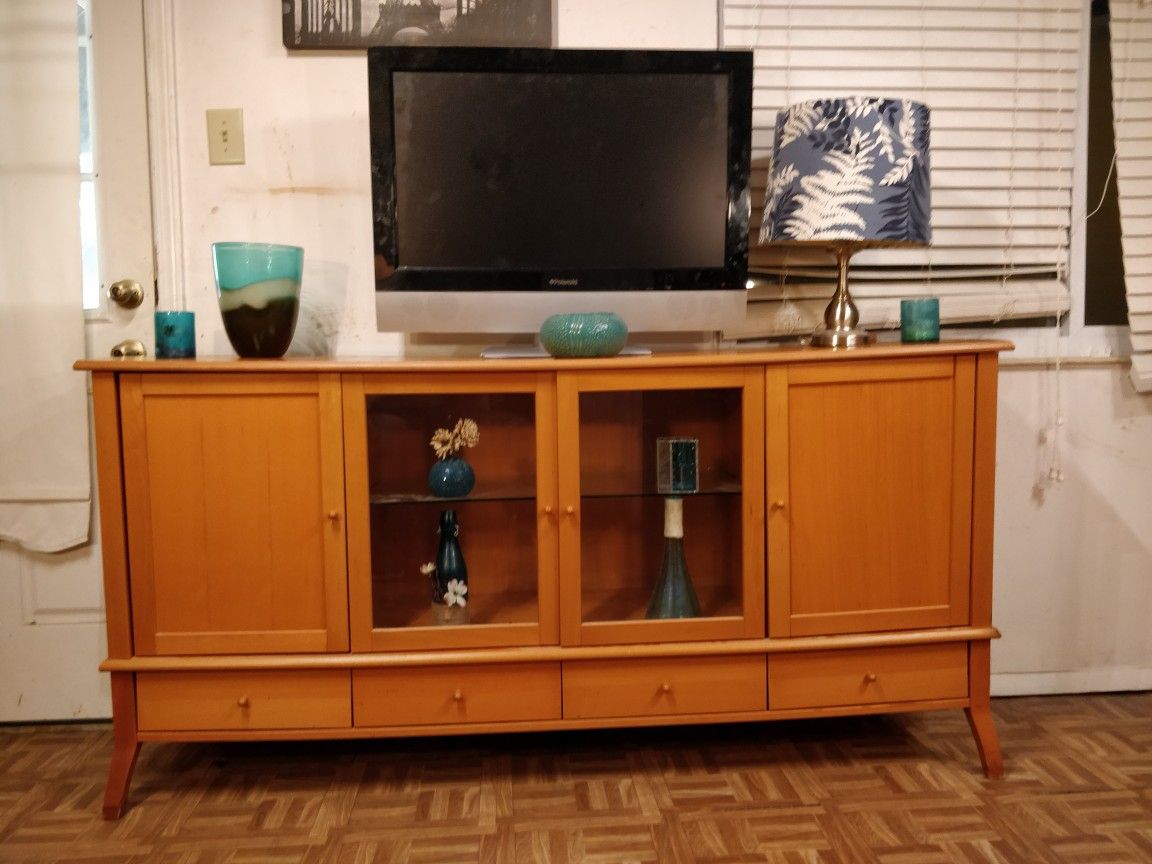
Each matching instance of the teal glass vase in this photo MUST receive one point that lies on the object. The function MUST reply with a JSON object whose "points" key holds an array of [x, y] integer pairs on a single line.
{"points": [[451, 478], [584, 334], [674, 596], [450, 591], [258, 290]]}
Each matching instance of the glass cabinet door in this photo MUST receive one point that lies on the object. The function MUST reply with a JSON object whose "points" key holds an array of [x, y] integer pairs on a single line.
{"points": [[444, 561], [644, 458]]}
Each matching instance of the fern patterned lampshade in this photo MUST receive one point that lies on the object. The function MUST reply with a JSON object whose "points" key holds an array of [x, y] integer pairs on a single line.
{"points": [[847, 174]]}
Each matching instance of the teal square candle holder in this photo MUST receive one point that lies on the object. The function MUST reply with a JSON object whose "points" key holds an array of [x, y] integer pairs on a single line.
{"points": [[920, 319]]}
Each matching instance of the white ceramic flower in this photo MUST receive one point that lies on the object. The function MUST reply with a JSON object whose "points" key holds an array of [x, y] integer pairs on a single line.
{"points": [[454, 596], [428, 568]]}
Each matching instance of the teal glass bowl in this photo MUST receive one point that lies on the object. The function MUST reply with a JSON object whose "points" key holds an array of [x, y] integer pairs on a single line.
{"points": [[258, 289], [584, 334]]}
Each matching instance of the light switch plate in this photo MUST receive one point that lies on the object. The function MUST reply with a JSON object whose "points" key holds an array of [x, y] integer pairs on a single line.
{"points": [[225, 136]]}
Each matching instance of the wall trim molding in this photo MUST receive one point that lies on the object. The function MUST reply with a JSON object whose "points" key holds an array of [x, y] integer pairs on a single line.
{"points": [[1104, 679], [164, 152]]}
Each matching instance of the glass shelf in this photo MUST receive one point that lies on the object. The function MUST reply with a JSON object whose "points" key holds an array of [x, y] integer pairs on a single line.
{"points": [[494, 495], [630, 603], [731, 487], [409, 604]]}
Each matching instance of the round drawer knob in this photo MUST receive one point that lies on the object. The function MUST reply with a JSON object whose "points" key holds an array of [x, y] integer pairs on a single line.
{"points": [[869, 677], [665, 687], [570, 510], [244, 702], [458, 695], [778, 505], [547, 509], [333, 515]]}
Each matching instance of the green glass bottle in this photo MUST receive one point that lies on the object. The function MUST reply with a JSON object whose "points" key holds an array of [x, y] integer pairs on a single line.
{"points": [[674, 596]]}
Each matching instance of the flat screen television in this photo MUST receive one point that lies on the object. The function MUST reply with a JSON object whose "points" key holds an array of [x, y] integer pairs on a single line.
{"points": [[511, 184]]}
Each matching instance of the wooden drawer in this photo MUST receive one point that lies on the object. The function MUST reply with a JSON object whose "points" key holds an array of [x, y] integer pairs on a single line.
{"points": [[297, 699], [653, 687], [865, 677], [456, 694]]}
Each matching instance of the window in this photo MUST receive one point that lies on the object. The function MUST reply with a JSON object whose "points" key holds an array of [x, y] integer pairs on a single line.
{"points": [[1104, 283], [1131, 42], [88, 242], [1001, 84]]}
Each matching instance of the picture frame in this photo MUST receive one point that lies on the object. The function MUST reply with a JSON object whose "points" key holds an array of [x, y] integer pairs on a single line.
{"points": [[356, 24]]}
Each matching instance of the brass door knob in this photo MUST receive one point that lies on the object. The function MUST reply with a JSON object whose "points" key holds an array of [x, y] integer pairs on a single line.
{"points": [[129, 348], [127, 293]]}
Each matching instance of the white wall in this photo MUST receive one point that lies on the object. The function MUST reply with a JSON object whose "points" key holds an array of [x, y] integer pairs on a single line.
{"points": [[306, 177], [1073, 593], [305, 180], [1073, 557]]}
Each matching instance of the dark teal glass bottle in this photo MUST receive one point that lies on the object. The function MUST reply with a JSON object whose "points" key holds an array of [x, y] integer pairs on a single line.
{"points": [[449, 557], [674, 596]]}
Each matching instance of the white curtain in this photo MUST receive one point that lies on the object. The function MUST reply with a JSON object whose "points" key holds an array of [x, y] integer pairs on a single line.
{"points": [[45, 485], [1131, 38], [1000, 79]]}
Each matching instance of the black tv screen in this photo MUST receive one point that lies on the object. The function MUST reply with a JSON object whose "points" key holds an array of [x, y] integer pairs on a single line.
{"points": [[517, 169]]}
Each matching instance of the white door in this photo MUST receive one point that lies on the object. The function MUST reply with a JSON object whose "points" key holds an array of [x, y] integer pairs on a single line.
{"points": [[51, 605], [121, 159]]}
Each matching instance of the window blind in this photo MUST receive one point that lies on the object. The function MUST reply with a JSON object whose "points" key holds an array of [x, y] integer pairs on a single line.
{"points": [[1131, 36], [1000, 80]]}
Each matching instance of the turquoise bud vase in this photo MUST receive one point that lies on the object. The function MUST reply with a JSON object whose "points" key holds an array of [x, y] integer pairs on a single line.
{"points": [[450, 567], [674, 597], [584, 334], [449, 557], [452, 477]]}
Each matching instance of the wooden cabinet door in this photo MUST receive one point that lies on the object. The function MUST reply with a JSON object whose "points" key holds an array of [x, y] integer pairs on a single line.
{"points": [[869, 495], [612, 513], [506, 522], [234, 495]]}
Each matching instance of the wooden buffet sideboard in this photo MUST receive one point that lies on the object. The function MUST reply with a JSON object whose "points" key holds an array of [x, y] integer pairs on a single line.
{"points": [[264, 523]]}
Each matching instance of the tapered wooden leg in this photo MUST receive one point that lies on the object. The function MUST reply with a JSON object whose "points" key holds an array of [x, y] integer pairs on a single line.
{"points": [[125, 746], [979, 711], [984, 731]]}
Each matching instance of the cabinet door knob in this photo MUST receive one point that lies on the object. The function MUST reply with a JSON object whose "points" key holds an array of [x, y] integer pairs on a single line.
{"points": [[665, 687], [869, 677], [244, 702], [778, 504], [333, 515], [570, 510], [457, 695], [547, 509]]}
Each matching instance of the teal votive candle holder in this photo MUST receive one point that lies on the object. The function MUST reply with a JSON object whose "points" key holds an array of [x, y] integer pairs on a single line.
{"points": [[175, 334], [920, 319]]}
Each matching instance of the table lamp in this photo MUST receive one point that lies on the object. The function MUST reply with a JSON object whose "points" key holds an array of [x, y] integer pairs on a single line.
{"points": [[849, 174]]}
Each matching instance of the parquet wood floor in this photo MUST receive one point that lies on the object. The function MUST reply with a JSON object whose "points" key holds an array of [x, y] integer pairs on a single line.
{"points": [[903, 789]]}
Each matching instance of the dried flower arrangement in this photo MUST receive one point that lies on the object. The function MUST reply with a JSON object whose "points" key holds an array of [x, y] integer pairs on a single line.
{"points": [[446, 443]]}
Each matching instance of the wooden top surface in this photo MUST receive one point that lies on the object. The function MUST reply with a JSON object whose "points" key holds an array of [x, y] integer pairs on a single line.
{"points": [[692, 359]]}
